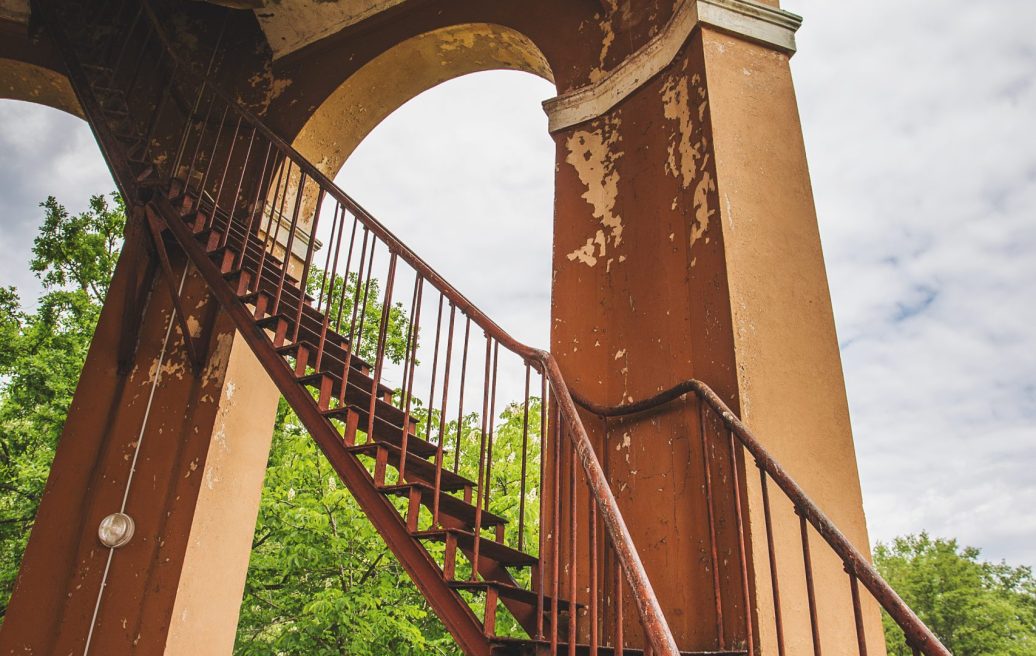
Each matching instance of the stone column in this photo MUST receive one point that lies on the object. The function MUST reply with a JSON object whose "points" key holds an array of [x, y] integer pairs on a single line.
{"points": [[183, 455], [686, 246]]}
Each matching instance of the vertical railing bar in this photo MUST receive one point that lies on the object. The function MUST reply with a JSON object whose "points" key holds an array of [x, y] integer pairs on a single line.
{"points": [[772, 554], [208, 168], [435, 370], [807, 562], [356, 330], [197, 149], [262, 189], [353, 342], [379, 358], [573, 553], [237, 192], [293, 227], [304, 278], [270, 240], [327, 279], [216, 197], [556, 536], [712, 527], [327, 285], [431, 393], [541, 551], [408, 388], [410, 337], [460, 398], [861, 635], [742, 550], [593, 610], [442, 416], [620, 640], [345, 276], [492, 425], [481, 461], [525, 458]]}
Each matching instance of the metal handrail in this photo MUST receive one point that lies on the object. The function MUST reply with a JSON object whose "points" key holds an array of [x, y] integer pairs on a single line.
{"points": [[856, 564]]}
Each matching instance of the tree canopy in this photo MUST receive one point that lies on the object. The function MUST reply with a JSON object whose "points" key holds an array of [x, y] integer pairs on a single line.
{"points": [[975, 607]]}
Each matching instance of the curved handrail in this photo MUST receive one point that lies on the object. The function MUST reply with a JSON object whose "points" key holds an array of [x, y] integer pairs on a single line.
{"points": [[918, 634]]}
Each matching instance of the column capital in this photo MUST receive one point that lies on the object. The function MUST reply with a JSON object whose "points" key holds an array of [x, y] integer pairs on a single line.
{"points": [[754, 21]]}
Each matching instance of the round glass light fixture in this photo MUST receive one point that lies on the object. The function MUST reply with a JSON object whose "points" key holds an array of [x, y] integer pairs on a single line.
{"points": [[115, 530]]}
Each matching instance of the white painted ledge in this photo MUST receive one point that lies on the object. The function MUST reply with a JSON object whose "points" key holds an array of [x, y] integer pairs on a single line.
{"points": [[751, 20]]}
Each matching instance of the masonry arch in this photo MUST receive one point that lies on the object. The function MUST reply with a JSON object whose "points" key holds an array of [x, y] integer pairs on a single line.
{"points": [[404, 71], [20, 80]]}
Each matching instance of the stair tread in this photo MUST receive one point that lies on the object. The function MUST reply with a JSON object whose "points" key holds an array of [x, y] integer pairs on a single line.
{"points": [[491, 549], [508, 591], [449, 504], [384, 430], [422, 469]]}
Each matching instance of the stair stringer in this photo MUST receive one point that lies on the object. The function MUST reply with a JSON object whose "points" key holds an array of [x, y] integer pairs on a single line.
{"points": [[422, 569]]}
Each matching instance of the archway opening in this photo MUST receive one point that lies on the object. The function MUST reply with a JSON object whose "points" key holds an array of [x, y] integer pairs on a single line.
{"points": [[463, 173]]}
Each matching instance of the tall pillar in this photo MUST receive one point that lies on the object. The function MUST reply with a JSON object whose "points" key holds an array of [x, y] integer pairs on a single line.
{"points": [[686, 246], [183, 455]]}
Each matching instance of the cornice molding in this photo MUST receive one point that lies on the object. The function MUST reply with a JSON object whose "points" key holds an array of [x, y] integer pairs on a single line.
{"points": [[751, 20]]}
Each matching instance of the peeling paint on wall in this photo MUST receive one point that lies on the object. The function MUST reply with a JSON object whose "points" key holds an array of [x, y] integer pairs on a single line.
{"points": [[684, 103], [593, 154]]}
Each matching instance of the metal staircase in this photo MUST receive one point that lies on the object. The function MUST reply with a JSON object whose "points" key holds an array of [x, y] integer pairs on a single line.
{"points": [[547, 554]]}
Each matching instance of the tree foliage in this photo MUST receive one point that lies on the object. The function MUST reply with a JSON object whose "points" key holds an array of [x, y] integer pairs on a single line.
{"points": [[975, 607]]}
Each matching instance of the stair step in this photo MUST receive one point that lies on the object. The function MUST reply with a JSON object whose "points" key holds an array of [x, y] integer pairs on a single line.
{"points": [[385, 430], [336, 350], [512, 592], [531, 647], [491, 549], [419, 468], [448, 504], [331, 369]]}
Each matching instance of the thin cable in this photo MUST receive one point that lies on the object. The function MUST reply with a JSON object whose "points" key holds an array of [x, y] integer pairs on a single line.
{"points": [[136, 454]]}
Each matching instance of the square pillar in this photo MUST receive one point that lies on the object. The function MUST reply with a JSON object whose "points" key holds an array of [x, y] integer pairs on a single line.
{"points": [[183, 455]]}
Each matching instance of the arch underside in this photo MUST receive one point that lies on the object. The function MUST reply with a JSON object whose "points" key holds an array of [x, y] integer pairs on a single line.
{"points": [[388, 81]]}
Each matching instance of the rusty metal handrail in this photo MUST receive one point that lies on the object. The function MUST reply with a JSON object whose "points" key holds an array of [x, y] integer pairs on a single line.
{"points": [[917, 632]]}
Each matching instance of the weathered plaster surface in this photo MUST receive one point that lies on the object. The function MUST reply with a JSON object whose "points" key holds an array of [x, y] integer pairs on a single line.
{"points": [[292, 24], [24, 81], [594, 154], [685, 102]]}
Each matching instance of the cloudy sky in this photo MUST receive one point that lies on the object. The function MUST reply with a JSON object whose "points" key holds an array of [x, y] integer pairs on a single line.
{"points": [[918, 120]]}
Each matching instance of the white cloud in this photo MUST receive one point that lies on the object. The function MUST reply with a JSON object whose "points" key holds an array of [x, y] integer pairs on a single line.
{"points": [[916, 117]]}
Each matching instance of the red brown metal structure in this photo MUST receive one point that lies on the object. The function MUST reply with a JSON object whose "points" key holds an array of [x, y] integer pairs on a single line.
{"points": [[237, 200]]}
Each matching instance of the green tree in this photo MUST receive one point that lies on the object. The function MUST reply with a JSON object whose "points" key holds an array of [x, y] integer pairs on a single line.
{"points": [[975, 607], [41, 354]]}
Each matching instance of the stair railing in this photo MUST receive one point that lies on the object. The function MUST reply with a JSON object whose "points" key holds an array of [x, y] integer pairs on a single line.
{"points": [[739, 443], [339, 307]]}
